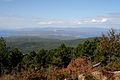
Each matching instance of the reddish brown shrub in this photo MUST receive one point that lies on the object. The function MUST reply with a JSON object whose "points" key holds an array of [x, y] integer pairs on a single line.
{"points": [[76, 67], [80, 65]]}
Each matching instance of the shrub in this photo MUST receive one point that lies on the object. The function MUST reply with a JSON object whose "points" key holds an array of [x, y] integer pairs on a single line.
{"points": [[89, 77]]}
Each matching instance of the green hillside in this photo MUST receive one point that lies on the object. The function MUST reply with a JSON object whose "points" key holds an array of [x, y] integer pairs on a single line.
{"points": [[26, 44], [63, 62]]}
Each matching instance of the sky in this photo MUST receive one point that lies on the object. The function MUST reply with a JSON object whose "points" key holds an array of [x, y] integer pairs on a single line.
{"points": [[21, 14]]}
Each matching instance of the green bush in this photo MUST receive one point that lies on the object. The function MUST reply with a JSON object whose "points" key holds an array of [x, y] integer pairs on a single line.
{"points": [[113, 66]]}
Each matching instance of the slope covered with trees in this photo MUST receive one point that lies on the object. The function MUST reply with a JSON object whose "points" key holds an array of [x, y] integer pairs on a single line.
{"points": [[62, 62], [27, 44]]}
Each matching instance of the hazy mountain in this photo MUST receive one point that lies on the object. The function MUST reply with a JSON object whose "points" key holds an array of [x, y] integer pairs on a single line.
{"points": [[27, 44], [55, 33]]}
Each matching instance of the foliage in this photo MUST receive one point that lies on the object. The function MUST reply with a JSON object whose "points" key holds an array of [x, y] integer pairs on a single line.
{"points": [[89, 77], [15, 57], [113, 65], [75, 67], [27, 44], [66, 62], [109, 48]]}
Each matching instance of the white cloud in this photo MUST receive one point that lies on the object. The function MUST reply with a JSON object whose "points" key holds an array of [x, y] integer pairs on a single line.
{"points": [[14, 22], [52, 22], [104, 20], [94, 21], [73, 23]]}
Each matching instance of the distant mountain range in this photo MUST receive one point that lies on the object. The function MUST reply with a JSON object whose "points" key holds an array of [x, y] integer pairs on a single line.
{"points": [[37, 38], [55, 33], [27, 44]]}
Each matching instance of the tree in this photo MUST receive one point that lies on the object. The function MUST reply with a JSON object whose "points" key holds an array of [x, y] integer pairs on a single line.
{"points": [[88, 48], [15, 57], [109, 47], [3, 52], [62, 56], [28, 60], [40, 59]]}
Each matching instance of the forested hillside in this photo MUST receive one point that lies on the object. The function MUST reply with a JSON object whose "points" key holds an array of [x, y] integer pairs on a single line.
{"points": [[27, 44], [62, 62]]}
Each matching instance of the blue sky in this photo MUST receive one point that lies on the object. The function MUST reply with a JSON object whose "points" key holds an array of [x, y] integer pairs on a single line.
{"points": [[16, 14]]}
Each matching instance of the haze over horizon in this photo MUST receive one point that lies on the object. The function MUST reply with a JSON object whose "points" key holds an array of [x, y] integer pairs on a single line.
{"points": [[36, 14]]}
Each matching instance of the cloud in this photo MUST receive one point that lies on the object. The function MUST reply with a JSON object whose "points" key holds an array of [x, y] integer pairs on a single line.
{"points": [[50, 22], [104, 20], [15, 22], [94, 21], [74, 23], [101, 20]]}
